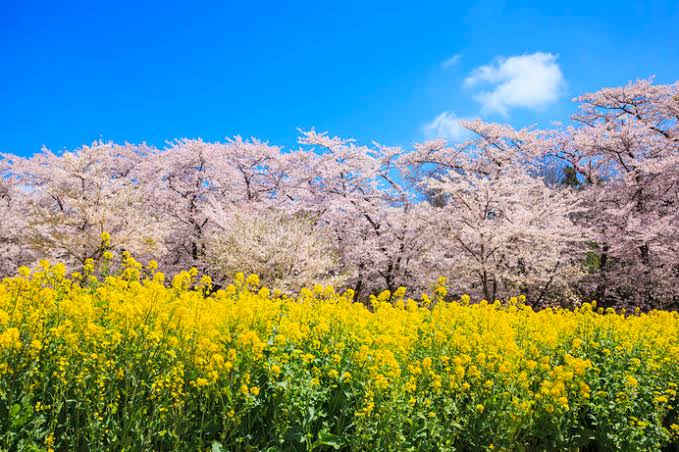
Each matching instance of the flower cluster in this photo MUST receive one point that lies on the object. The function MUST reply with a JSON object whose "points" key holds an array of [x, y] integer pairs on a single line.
{"points": [[134, 362]]}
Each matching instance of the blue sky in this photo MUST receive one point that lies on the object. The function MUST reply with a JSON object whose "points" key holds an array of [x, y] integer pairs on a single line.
{"points": [[74, 72]]}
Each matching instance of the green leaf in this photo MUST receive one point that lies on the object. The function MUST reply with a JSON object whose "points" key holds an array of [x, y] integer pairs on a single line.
{"points": [[14, 410], [326, 438]]}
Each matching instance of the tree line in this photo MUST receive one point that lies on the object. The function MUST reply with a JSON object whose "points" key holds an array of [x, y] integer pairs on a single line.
{"points": [[586, 210]]}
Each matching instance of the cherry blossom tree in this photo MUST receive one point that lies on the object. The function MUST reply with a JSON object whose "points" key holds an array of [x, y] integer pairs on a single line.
{"points": [[501, 229], [13, 219], [625, 148], [68, 201], [362, 194], [288, 251], [183, 180], [621, 153], [507, 233]]}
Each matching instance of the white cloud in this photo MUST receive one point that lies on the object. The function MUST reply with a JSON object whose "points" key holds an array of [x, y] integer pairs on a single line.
{"points": [[530, 81], [452, 61], [446, 125]]}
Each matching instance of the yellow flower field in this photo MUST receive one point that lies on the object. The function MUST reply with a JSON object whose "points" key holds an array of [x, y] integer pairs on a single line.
{"points": [[134, 362]]}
